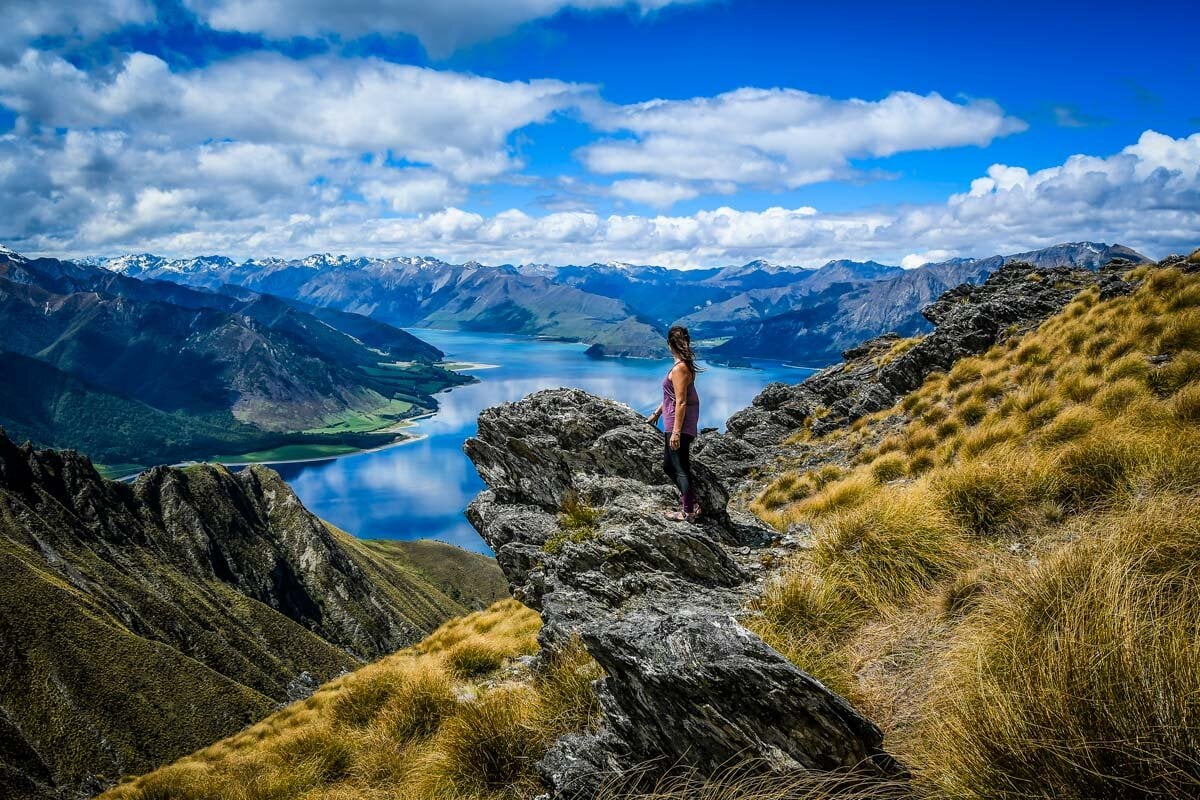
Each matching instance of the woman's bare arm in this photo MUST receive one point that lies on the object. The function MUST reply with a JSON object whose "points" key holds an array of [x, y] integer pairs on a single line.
{"points": [[679, 380]]}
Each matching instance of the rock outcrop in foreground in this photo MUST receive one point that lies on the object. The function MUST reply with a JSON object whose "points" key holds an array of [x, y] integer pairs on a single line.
{"points": [[656, 602]]}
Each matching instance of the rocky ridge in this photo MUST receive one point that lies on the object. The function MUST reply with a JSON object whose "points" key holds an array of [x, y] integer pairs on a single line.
{"points": [[198, 597], [656, 602]]}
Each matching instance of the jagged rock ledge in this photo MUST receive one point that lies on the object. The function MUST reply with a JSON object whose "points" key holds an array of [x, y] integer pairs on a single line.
{"points": [[655, 602]]}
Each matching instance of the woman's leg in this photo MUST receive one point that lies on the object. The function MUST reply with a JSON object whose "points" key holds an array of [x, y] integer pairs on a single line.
{"points": [[669, 461], [687, 484]]}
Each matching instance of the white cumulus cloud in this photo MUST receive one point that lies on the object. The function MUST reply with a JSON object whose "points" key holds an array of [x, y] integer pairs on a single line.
{"points": [[780, 138], [25, 21], [442, 26], [455, 122], [1146, 196]]}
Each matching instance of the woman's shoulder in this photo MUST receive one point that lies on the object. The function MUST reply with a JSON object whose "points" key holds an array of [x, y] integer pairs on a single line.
{"points": [[681, 369]]}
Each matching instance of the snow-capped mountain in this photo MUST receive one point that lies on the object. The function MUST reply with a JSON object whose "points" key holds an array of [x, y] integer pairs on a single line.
{"points": [[12, 254], [134, 264]]}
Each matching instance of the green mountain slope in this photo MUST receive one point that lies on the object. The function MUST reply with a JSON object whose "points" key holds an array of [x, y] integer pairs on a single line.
{"points": [[140, 621], [142, 372]]}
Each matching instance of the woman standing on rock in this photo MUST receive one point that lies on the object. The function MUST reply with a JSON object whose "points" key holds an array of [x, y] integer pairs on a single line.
{"points": [[682, 406]]}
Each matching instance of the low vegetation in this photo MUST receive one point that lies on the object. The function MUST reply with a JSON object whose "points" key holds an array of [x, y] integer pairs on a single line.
{"points": [[1009, 582], [453, 717]]}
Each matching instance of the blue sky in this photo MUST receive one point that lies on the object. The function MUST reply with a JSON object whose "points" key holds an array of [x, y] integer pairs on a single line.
{"points": [[681, 132]]}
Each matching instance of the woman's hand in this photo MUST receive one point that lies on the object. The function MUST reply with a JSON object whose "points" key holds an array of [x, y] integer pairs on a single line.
{"points": [[654, 417], [674, 440]]}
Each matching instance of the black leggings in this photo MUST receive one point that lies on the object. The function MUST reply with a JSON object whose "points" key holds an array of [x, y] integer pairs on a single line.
{"points": [[678, 466]]}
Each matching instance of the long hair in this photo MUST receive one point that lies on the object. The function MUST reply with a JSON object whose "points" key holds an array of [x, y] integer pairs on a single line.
{"points": [[681, 342]]}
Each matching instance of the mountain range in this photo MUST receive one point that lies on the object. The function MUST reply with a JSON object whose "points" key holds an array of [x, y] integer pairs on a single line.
{"points": [[755, 310], [144, 371], [139, 621]]}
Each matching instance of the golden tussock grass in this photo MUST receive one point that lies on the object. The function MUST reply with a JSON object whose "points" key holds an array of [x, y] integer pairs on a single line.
{"points": [[1032, 600], [438, 720]]}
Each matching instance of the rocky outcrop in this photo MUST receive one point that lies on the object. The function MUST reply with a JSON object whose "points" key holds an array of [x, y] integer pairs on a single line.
{"points": [[969, 319], [655, 602]]}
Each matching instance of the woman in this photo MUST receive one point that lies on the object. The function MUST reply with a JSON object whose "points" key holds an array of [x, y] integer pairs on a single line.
{"points": [[682, 407]]}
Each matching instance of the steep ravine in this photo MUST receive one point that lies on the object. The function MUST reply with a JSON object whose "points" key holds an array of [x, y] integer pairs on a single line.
{"points": [[657, 603]]}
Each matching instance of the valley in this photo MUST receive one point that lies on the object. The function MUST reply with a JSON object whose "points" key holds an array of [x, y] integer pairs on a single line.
{"points": [[141, 372], [943, 530]]}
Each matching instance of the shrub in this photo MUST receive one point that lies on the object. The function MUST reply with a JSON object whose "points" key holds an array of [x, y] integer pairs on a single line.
{"points": [[1068, 426], [966, 370], [921, 462], [1182, 369], [568, 702], [802, 616], [1078, 387], [843, 494], [475, 656], [973, 412], [948, 429], [577, 515], [1113, 398], [488, 746], [418, 705], [1097, 468], [317, 748], [362, 694], [964, 592], [1130, 366], [1181, 333], [987, 497], [1186, 404]]}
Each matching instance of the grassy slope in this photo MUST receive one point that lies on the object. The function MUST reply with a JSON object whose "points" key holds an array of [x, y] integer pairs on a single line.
{"points": [[449, 718], [468, 578], [116, 660], [1008, 580]]}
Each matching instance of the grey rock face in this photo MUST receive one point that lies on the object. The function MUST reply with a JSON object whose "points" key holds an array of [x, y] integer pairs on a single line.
{"points": [[655, 602]]}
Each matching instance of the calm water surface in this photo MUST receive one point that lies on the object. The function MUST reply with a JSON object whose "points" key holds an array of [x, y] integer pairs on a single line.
{"points": [[419, 489]]}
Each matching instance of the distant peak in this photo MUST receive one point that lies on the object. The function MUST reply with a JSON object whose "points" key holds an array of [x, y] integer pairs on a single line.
{"points": [[10, 253]]}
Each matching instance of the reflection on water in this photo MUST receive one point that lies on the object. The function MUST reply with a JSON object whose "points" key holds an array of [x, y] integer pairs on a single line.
{"points": [[419, 489]]}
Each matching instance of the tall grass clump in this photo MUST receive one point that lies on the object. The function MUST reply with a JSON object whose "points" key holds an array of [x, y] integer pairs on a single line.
{"points": [[889, 548], [1081, 678], [994, 494]]}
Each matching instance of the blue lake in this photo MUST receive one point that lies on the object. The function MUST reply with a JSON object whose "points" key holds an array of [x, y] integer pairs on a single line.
{"points": [[419, 489]]}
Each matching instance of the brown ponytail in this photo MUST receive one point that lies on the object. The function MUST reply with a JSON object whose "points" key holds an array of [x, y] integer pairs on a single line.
{"points": [[681, 342]]}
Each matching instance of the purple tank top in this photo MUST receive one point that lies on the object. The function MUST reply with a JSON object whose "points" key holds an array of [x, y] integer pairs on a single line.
{"points": [[691, 414]]}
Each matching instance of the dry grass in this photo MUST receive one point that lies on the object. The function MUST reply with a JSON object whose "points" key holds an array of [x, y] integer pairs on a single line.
{"points": [[438, 720], [1031, 600], [1080, 678]]}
